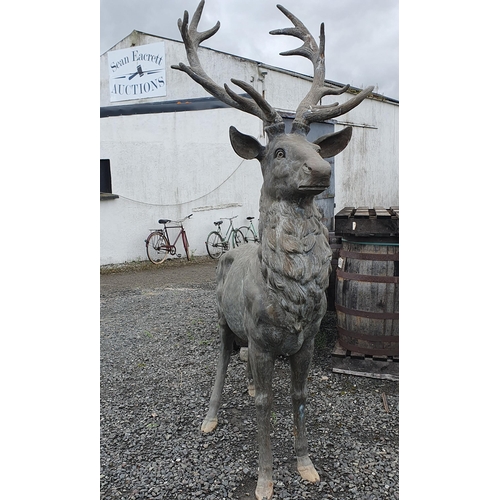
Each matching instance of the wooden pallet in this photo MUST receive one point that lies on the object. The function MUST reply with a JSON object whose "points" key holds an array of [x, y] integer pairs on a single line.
{"points": [[367, 222], [364, 365]]}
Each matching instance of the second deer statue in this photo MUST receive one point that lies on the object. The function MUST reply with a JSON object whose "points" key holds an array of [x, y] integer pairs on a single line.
{"points": [[271, 295]]}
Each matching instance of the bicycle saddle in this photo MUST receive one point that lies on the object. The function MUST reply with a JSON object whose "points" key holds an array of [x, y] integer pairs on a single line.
{"points": [[164, 221], [218, 223], [250, 218]]}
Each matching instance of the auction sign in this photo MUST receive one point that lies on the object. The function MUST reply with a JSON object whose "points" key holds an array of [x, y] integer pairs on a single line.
{"points": [[137, 72]]}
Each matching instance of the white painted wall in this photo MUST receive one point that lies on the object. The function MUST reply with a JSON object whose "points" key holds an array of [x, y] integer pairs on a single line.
{"points": [[168, 165], [367, 171]]}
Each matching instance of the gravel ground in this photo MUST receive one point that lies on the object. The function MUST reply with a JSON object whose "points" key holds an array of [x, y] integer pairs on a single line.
{"points": [[159, 348]]}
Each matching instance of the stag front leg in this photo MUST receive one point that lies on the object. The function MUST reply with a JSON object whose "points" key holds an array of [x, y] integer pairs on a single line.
{"points": [[251, 383], [262, 366], [300, 364], [226, 348]]}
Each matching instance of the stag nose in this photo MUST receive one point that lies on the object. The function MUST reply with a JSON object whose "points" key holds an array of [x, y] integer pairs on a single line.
{"points": [[316, 176], [319, 171]]}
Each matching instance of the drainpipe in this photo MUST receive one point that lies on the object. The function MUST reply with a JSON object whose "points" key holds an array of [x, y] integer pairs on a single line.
{"points": [[262, 79]]}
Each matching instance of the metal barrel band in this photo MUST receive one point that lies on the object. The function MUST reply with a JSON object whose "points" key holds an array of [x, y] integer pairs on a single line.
{"points": [[372, 352], [379, 257], [367, 314], [367, 277], [369, 338], [394, 351], [386, 242]]}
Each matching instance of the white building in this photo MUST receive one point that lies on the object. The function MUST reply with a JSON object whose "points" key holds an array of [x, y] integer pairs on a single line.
{"points": [[165, 150]]}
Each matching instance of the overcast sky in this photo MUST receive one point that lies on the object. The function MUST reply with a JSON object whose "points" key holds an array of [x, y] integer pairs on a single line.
{"points": [[361, 35]]}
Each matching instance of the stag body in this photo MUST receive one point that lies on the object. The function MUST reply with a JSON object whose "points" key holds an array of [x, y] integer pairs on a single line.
{"points": [[271, 295]]}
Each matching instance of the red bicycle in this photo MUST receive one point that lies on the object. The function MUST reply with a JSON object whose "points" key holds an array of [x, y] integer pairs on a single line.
{"points": [[158, 244]]}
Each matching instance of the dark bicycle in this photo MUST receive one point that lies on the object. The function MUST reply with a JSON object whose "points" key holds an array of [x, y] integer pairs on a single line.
{"points": [[158, 243]]}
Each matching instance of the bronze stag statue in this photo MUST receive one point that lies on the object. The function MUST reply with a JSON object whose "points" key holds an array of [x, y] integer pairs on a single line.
{"points": [[271, 295]]}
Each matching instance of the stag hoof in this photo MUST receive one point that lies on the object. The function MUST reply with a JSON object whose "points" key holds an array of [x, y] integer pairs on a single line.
{"points": [[306, 469], [264, 490], [209, 424], [251, 390]]}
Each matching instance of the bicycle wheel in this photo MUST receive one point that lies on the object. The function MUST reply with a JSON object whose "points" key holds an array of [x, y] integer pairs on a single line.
{"points": [[244, 230], [215, 245], [238, 238], [252, 236], [248, 234], [185, 243], [156, 247]]}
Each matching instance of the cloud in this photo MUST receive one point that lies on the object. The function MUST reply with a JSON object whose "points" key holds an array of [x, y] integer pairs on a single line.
{"points": [[361, 36]]}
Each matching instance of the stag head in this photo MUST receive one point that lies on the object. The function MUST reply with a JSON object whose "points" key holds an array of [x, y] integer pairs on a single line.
{"points": [[295, 165], [291, 165]]}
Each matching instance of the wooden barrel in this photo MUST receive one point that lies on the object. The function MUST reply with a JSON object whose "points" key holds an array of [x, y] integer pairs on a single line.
{"points": [[335, 245], [367, 296]]}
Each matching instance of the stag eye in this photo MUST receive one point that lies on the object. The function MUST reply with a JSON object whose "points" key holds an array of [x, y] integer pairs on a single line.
{"points": [[279, 153]]}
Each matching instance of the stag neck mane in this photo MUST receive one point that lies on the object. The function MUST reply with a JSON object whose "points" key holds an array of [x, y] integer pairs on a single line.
{"points": [[294, 258]]}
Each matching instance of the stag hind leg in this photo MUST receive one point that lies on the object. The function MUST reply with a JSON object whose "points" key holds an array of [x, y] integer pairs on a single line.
{"points": [[226, 348], [262, 366], [300, 364], [250, 381]]}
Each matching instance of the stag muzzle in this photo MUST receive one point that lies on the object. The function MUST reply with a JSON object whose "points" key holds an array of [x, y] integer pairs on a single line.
{"points": [[315, 176]]}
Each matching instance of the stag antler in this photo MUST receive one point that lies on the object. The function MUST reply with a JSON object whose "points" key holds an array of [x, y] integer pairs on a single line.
{"points": [[308, 110], [256, 106]]}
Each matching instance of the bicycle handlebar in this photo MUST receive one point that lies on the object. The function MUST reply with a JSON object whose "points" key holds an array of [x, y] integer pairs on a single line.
{"points": [[230, 218], [168, 221]]}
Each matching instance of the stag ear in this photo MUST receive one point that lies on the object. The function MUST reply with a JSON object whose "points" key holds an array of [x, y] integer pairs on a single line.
{"points": [[245, 146], [333, 144]]}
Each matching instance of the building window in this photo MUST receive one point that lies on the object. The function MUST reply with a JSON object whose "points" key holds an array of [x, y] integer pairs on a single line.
{"points": [[105, 177], [106, 191]]}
